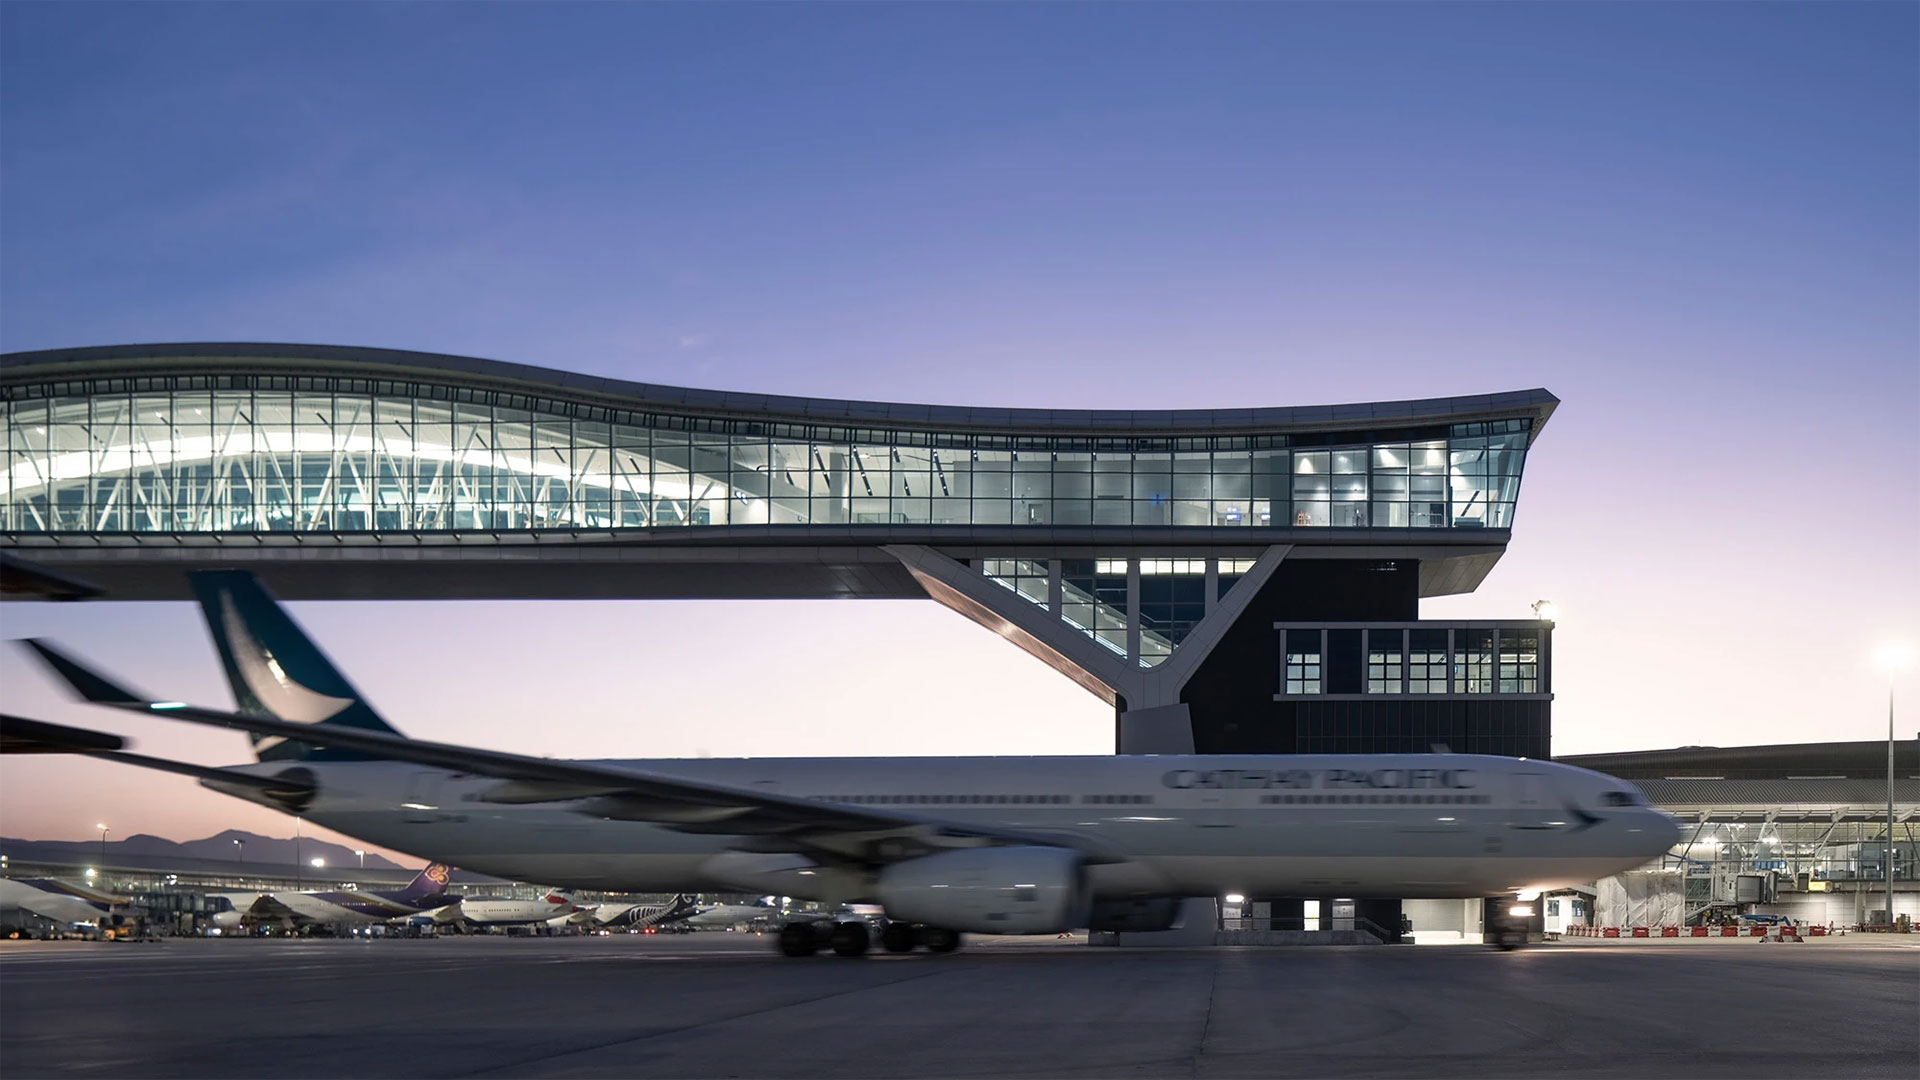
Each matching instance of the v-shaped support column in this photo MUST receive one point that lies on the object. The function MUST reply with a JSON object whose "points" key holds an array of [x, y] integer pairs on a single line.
{"points": [[1149, 714]]}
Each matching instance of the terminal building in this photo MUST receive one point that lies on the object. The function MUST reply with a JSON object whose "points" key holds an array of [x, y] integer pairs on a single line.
{"points": [[1236, 580]]}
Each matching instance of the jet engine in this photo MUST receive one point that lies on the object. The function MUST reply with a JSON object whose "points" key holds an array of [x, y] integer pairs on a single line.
{"points": [[1001, 890]]}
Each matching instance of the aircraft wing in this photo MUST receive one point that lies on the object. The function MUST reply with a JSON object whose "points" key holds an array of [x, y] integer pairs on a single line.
{"points": [[20, 735], [766, 821], [309, 907], [56, 906]]}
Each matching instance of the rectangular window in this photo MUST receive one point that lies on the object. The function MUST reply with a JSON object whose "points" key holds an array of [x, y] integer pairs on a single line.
{"points": [[1349, 483], [1427, 662], [1312, 488], [1173, 600], [1303, 662], [1385, 664], [1473, 662], [1520, 661], [1230, 573], [1093, 599], [1028, 577]]}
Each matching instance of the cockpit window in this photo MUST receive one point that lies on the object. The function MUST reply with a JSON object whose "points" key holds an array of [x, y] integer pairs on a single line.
{"points": [[1619, 798]]}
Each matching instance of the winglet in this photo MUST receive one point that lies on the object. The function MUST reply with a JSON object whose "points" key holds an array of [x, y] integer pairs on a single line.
{"points": [[89, 683]]}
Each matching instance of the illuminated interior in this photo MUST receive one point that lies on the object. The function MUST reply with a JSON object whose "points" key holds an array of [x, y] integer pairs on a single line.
{"points": [[450, 458]]}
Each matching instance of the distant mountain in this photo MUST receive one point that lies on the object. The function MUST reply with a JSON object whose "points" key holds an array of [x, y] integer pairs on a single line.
{"points": [[253, 848]]}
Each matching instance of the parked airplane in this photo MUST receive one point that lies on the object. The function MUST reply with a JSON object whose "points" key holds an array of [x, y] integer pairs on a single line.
{"points": [[994, 845], [53, 900], [728, 916], [425, 892], [643, 916], [556, 905]]}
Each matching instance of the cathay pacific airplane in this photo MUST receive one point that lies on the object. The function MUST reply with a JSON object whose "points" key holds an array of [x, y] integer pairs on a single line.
{"points": [[1004, 845]]}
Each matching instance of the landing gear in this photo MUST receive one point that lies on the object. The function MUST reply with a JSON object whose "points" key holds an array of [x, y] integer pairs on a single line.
{"points": [[853, 939], [799, 939], [897, 937], [849, 939]]}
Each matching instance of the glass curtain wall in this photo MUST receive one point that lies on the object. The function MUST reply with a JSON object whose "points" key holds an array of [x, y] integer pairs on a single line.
{"points": [[221, 460], [1483, 660]]}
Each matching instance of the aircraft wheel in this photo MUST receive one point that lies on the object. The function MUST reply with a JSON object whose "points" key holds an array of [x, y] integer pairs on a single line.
{"points": [[940, 940], [850, 939], [897, 937], [798, 939]]}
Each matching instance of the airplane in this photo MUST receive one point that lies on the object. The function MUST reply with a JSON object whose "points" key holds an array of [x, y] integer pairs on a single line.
{"points": [[53, 900], [557, 907], [645, 916], [425, 892], [728, 916], [947, 845]]}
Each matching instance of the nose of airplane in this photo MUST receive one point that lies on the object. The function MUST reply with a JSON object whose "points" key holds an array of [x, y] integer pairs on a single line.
{"points": [[1667, 829]]}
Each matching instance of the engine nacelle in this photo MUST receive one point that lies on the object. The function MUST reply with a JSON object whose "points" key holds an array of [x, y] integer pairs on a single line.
{"points": [[1153, 913], [1002, 890]]}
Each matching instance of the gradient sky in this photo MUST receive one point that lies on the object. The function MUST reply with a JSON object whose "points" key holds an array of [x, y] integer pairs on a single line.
{"points": [[1699, 225]]}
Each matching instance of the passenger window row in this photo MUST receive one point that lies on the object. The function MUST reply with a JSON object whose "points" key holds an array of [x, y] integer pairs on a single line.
{"points": [[1117, 800], [946, 800], [1372, 800]]}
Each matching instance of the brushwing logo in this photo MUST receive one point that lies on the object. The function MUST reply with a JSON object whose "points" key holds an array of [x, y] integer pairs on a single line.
{"points": [[438, 874], [269, 682]]}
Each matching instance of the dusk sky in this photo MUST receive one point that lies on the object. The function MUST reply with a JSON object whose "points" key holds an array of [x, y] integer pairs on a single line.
{"points": [[1698, 225]]}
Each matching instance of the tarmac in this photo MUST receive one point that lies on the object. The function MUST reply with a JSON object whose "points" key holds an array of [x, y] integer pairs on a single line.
{"points": [[724, 1005]]}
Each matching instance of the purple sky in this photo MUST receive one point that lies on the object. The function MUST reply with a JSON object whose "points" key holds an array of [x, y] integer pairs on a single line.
{"points": [[1698, 225]]}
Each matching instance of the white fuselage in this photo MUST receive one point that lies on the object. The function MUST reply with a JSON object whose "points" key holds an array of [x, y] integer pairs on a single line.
{"points": [[727, 916], [506, 912], [1435, 825]]}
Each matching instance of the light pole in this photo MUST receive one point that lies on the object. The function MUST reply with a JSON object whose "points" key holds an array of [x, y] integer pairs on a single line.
{"points": [[1893, 657], [103, 847], [363, 857], [239, 850]]}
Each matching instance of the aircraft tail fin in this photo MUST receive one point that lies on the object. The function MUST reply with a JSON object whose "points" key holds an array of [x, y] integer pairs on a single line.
{"points": [[275, 669], [431, 882]]}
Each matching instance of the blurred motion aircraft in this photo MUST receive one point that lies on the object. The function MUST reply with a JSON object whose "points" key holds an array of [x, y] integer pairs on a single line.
{"points": [[945, 845]]}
